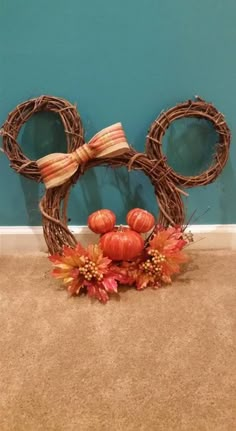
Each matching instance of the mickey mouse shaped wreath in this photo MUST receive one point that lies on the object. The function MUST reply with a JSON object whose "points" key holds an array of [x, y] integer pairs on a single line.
{"points": [[162, 253]]}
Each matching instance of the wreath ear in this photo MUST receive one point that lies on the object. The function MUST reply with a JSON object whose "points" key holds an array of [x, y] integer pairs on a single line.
{"points": [[198, 109], [21, 114]]}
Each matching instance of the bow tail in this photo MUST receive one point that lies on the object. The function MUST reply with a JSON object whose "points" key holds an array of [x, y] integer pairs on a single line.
{"points": [[57, 168]]}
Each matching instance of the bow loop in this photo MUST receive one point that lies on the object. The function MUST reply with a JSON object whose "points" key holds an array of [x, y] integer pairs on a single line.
{"points": [[57, 168]]}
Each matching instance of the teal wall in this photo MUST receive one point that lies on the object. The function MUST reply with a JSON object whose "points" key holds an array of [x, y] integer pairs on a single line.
{"points": [[125, 61]]}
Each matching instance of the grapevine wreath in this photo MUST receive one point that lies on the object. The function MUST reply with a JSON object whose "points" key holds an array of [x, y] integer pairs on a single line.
{"points": [[93, 268]]}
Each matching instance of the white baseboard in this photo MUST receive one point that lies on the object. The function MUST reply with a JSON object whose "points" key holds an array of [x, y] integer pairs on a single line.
{"points": [[24, 239]]}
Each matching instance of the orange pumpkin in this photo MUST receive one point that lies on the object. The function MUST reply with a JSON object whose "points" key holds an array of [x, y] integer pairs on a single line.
{"points": [[140, 220], [122, 244], [102, 221]]}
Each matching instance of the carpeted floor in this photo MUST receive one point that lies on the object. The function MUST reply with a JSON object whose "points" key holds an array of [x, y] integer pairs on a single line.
{"points": [[154, 360]]}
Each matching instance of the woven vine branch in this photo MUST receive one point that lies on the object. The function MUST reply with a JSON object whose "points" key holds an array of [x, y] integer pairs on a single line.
{"points": [[17, 118], [167, 183], [198, 109]]}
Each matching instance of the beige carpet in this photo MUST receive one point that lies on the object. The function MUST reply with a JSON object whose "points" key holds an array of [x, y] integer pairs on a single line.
{"points": [[154, 360]]}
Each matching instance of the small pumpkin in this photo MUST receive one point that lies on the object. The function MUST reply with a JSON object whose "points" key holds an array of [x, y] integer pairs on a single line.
{"points": [[102, 221], [140, 220], [122, 244]]}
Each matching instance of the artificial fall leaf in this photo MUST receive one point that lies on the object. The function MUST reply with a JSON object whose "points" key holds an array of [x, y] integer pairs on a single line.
{"points": [[127, 272], [145, 280], [173, 262], [102, 289], [169, 244], [79, 267], [169, 239], [131, 273]]}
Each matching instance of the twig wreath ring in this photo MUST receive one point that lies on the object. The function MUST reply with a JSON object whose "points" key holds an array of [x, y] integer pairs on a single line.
{"points": [[201, 110], [69, 117]]}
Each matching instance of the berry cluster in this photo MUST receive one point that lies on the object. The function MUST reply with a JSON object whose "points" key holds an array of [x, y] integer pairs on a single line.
{"points": [[153, 265], [90, 271]]}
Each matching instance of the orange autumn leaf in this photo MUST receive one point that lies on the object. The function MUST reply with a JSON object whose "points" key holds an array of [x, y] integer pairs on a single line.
{"points": [[169, 244]]}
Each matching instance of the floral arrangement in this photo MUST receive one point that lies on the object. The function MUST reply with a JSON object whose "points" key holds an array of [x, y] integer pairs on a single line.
{"points": [[92, 268]]}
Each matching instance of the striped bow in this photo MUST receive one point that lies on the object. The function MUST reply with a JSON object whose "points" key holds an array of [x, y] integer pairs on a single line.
{"points": [[57, 168]]}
